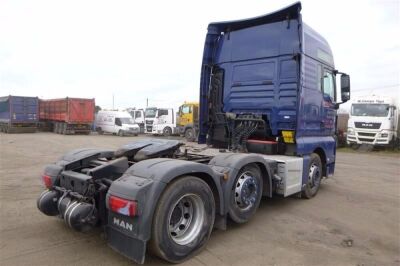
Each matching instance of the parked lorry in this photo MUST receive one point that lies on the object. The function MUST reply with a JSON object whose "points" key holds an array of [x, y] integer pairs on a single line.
{"points": [[164, 122], [149, 117], [18, 114], [188, 120], [116, 122], [138, 117], [268, 87], [374, 120], [67, 115]]}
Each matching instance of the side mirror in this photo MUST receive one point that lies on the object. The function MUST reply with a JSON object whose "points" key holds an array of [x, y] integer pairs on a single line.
{"points": [[345, 87]]}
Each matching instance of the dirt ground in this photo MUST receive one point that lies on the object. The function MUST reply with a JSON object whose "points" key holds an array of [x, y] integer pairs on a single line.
{"points": [[354, 220]]}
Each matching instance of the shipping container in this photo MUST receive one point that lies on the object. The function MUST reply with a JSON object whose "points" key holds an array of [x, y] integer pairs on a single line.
{"points": [[18, 114], [67, 115]]}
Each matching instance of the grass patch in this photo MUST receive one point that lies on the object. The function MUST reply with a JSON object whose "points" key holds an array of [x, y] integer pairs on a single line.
{"points": [[371, 150]]}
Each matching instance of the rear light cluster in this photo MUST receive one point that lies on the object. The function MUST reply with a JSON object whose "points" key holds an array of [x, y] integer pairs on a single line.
{"points": [[47, 181], [122, 206]]}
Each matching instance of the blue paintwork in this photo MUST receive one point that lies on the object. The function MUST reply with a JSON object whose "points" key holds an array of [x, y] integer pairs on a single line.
{"points": [[19, 109], [272, 66]]}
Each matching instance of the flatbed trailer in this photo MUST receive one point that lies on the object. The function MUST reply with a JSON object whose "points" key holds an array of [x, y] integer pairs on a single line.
{"points": [[266, 127]]}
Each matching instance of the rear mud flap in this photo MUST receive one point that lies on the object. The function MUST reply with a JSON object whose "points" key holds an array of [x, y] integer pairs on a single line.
{"points": [[127, 246]]}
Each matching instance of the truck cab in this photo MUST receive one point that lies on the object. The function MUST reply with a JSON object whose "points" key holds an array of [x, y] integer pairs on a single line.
{"points": [[164, 122], [373, 120], [270, 79], [149, 117], [187, 120], [138, 116]]}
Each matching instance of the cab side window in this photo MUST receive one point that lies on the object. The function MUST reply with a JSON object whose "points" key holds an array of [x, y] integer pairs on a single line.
{"points": [[138, 114], [186, 109], [162, 112], [328, 85], [118, 122]]}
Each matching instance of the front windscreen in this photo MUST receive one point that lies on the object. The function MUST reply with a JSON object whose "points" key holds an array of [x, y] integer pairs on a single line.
{"points": [[150, 112], [127, 120], [380, 110]]}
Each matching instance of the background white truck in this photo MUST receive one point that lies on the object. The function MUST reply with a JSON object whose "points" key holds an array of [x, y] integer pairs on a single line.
{"points": [[373, 120], [164, 122], [116, 122], [150, 116], [138, 116]]}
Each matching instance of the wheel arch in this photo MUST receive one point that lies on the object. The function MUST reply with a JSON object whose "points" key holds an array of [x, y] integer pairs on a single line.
{"points": [[217, 193], [322, 155], [267, 179]]}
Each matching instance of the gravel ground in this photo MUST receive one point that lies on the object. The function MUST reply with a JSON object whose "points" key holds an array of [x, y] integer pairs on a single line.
{"points": [[354, 220]]}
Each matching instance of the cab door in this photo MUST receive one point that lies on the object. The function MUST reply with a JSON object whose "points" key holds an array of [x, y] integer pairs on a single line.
{"points": [[186, 115], [117, 125], [328, 111]]}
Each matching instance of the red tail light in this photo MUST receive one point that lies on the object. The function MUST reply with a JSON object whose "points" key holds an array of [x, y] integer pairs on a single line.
{"points": [[47, 181], [122, 206]]}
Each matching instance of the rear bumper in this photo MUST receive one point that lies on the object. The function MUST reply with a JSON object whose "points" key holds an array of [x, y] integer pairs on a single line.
{"points": [[132, 248]]}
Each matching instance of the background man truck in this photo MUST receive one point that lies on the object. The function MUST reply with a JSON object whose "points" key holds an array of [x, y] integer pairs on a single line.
{"points": [[374, 120]]}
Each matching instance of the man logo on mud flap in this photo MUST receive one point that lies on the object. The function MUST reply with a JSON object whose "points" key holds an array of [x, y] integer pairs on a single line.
{"points": [[123, 224]]}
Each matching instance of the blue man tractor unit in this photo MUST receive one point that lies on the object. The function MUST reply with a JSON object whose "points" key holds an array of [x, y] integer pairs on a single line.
{"points": [[268, 116]]}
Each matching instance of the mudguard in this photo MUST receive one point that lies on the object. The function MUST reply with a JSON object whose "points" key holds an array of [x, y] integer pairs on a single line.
{"points": [[80, 154], [144, 182], [148, 149], [74, 159], [79, 157]]}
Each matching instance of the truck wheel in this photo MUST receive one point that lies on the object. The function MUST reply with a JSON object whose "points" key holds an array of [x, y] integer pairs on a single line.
{"points": [[99, 131], [355, 146], [167, 132], [246, 194], [55, 128], [183, 219], [314, 177], [120, 133], [64, 128], [189, 135]]}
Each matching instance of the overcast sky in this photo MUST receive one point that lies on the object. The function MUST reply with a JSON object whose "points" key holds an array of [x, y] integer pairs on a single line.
{"points": [[153, 49]]}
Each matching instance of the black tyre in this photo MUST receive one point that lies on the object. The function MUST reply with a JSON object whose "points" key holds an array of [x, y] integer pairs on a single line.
{"points": [[189, 135], [99, 131], [246, 194], [167, 131], [120, 133], [64, 128], [183, 220], [355, 146], [314, 177], [55, 128]]}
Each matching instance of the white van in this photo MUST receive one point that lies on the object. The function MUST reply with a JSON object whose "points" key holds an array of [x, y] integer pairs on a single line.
{"points": [[116, 122]]}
